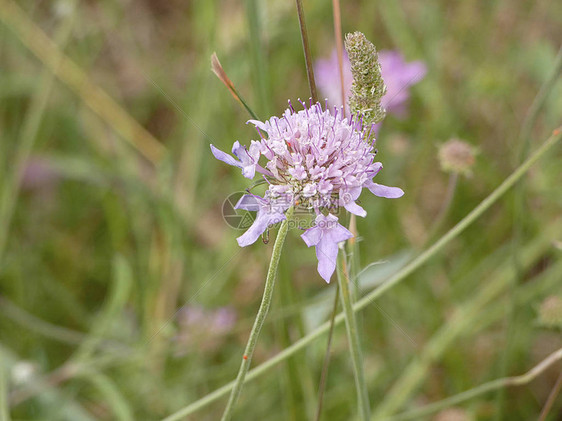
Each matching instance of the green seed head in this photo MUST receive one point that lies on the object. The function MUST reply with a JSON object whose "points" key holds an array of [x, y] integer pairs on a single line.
{"points": [[368, 86]]}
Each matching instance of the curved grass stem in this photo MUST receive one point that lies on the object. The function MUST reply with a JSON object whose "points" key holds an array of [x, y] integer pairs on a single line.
{"points": [[353, 338], [260, 318], [482, 389]]}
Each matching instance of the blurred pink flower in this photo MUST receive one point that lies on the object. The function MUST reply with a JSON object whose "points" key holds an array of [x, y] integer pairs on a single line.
{"points": [[39, 174], [202, 327], [398, 76]]}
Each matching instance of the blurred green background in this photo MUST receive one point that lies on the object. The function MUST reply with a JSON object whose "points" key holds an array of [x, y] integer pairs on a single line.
{"points": [[123, 293]]}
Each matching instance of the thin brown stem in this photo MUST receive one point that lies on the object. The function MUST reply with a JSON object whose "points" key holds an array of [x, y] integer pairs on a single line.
{"points": [[551, 398], [339, 47], [307, 55]]}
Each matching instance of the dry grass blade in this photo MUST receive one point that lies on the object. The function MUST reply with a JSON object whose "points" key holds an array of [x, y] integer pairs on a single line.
{"points": [[218, 70]]}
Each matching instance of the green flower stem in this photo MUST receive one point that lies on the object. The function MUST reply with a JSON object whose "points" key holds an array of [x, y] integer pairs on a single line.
{"points": [[260, 318], [395, 279], [353, 338]]}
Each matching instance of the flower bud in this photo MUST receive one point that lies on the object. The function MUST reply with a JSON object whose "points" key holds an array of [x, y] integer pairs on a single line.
{"points": [[550, 312], [457, 156]]}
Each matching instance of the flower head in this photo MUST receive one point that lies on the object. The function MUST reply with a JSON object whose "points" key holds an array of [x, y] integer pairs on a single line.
{"points": [[317, 158]]}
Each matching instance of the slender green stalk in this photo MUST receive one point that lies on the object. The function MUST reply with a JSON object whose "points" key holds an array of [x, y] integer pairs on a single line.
{"points": [[326, 364], [260, 318], [395, 279], [524, 144], [300, 390], [353, 338], [307, 55], [521, 380]]}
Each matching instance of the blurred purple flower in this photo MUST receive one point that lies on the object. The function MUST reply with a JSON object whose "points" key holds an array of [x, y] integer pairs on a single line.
{"points": [[39, 174], [398, 76], [203, 327]]}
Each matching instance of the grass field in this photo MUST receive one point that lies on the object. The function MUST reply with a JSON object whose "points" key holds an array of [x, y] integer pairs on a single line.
{"points": [[123, 292]]}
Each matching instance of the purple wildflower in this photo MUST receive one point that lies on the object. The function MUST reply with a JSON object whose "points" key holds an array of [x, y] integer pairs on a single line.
{"points": [[325, 236], [398, 76], [317, 158]]}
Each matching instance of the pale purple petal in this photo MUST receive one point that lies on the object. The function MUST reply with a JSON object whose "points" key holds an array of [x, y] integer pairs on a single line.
{"points": [[249, 171], [384, 191], [249, 202], [263, 220], [326, 235], [224, 157], [312, 236], [348, 198], [259, 124], [327, 255], [336, 234], [355, 209], [237, 149]]}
